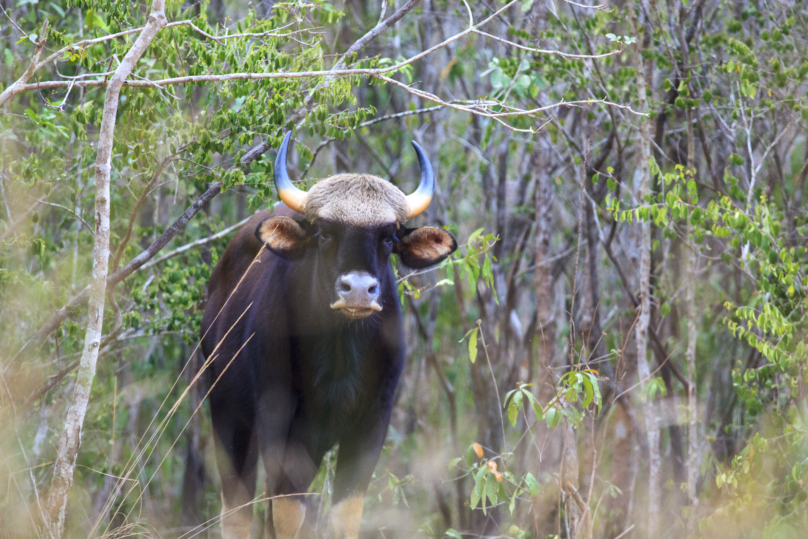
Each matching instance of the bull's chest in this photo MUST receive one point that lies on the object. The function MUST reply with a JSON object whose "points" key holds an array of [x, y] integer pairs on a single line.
{"points": [[337, 377]]}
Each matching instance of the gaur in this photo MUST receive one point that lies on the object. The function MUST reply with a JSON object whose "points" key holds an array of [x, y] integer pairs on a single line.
{"points": [[305, 338]]}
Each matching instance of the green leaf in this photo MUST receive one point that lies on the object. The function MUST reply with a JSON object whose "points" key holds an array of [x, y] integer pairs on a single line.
{"points": [[513, 408], [470, 456], [513, 413], [589, 393], [532, 485], [473, 345], [479, 488], [491, 488], [453, 533], [537, 409], [553, 417], [453, 463], [654, 386], [512, 505], [521, 85]]}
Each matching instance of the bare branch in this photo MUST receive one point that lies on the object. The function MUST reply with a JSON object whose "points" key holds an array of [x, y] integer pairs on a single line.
{"points": [[217, 39], [598, 7], [76, 215], [85, 42], [136, 209], [20, 30], [374, 33], [14, 88], [197, 243], [400, 115], [552, 52]]}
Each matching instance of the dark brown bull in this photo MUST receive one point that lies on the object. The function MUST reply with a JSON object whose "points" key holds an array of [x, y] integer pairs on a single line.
{"points": [[322, 339]]}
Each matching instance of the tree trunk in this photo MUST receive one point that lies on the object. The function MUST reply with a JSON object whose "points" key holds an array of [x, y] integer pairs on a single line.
{"points": [[690, 355], [577, 511], [642, 188], [543, 274], [55, 509]]}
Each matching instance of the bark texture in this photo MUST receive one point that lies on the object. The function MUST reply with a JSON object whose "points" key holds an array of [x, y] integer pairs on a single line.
{"points": [[543, 274]]}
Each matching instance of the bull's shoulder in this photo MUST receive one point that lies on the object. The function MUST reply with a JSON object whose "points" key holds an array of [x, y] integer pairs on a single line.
{"points": [[244, 246]]}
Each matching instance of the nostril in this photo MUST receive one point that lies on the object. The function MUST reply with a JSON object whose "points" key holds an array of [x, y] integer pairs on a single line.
{"points": [[344, 286], [373, 289]]}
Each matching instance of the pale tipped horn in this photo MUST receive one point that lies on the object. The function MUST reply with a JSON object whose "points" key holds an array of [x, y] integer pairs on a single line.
{"points": [[290, 195], [418, 201]]}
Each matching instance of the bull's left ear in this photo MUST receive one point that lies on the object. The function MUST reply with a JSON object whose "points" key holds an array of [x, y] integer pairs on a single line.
{"points": [[424, 247], [283, 236]]}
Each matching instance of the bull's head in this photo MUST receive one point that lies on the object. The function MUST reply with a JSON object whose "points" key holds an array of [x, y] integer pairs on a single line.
{"points": [[355, 222]]}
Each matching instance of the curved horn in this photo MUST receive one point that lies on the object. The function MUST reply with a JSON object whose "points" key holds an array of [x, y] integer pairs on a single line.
{"points": [[420, 199], [290, 195]]}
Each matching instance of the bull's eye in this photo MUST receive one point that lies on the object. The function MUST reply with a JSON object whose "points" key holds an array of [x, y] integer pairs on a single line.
{"points": [[388, 241], [325, 236]]}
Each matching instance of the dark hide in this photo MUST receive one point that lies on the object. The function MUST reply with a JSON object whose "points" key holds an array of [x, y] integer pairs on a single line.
{"points": [[307, 377]]}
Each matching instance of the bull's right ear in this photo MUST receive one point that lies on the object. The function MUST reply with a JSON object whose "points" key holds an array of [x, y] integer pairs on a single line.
{"points": [[284, 236]]}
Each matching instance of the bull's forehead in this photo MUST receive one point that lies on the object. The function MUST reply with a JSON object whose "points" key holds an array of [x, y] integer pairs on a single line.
{"points": [[356, 199]]}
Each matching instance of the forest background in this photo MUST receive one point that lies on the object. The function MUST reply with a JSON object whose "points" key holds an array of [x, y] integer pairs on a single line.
{"points": [[614, 351]]}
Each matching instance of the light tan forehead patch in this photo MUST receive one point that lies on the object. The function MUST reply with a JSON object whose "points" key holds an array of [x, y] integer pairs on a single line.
{"points": [[356, 199]]}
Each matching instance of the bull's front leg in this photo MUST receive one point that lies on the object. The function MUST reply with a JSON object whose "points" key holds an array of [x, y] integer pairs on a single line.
{"points": [[358, 454]]}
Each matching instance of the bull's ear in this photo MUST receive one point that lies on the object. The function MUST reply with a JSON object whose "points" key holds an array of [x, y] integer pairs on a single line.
{"points": [[283, 236], [424, 247]]}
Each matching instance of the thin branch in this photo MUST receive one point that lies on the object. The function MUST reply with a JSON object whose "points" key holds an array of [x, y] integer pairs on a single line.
{"points": [[627, 530], [20, 83], [217, 39], [136, 209], [328, 141], [20, 30], [84, 43], [551, 52], [599, 7], [401, 115], [374, 33], [53, 382], [76, 215], [197, 243]]}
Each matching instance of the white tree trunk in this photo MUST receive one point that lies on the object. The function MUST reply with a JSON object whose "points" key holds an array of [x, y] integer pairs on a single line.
{"points": [[642, 186], [67, 450]]}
